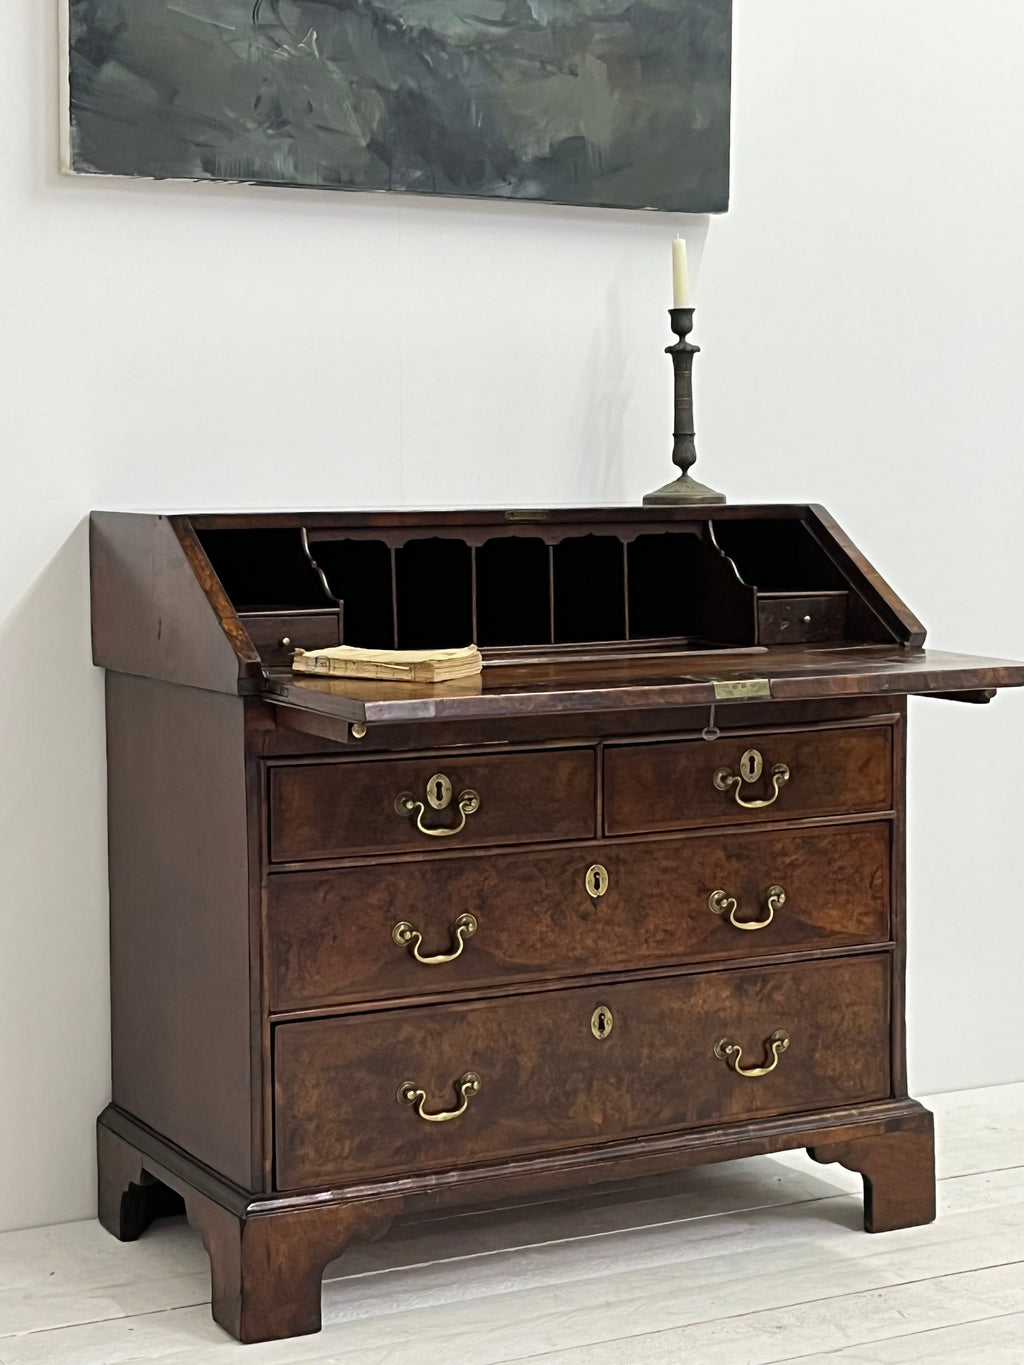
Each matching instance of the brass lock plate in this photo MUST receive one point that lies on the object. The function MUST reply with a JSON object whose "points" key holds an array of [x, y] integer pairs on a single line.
{"points": [[742, 689], [602, 1021], [596, 880], [439, 792], [751, 765]]}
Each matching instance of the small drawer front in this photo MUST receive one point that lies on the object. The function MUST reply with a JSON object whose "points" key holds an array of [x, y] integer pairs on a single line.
{"points": [[450, 923], [791, 618], [278, 634], [774, 776], [333, 810], [447, 1085]]}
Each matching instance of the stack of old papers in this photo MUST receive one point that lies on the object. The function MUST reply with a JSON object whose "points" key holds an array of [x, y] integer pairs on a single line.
{"points": [[390, 665]]}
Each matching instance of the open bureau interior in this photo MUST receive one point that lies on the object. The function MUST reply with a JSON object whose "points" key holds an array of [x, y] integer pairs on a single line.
{"points": [[527, 586], [577, 608]]}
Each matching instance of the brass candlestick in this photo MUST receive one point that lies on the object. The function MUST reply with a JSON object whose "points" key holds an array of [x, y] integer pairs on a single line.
{"points": [[684, 450]]}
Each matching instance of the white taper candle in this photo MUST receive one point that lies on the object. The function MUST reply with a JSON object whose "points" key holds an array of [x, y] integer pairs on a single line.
{"points": [[680, 275]]}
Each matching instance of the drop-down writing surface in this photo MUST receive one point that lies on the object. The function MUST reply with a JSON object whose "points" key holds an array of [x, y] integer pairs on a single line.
{"points": [[793, 674]]}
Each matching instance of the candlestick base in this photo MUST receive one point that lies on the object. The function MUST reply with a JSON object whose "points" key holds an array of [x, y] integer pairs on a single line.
{"points": [[682, 490]]}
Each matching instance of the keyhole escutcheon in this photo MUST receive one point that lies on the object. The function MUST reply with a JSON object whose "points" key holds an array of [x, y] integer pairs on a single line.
{"points": [[596, 880], [602, 1022], [439, 791], [751, 765]]}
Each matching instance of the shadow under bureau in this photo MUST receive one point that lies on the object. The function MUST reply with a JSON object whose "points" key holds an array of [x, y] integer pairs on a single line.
{"points": [[630, 901]]}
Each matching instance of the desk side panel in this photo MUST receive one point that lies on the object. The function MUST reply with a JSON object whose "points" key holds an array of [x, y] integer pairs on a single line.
{"points": [[179, 918], [158, 610]]}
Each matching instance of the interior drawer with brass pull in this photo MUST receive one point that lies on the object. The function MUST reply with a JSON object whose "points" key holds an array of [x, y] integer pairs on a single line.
{"points": [[796, 618], [439, 1086], [332, 810], [773, 776], [278, 634], [441, 924]]}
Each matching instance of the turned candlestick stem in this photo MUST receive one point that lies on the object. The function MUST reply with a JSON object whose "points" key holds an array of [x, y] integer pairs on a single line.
{"points": [[684, 449]]}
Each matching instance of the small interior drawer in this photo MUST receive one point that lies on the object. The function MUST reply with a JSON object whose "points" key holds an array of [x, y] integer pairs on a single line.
{"points": [[431, 805], [554, 1069], [278, 634], [738, 780], [800, 618]]}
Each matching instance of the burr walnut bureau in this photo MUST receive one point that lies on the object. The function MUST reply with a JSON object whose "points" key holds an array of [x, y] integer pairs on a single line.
{"points": [[631, 901]]}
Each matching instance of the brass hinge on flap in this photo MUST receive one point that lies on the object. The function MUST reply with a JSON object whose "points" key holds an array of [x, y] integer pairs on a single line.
{"points": [[742, 689]]}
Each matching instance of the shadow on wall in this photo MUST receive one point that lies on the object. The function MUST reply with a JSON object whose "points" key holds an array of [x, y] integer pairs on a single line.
{"points": [[54, 1012]]}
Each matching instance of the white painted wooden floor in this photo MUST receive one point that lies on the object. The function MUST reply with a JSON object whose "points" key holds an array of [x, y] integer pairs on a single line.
{"points": [[749, 1263]]}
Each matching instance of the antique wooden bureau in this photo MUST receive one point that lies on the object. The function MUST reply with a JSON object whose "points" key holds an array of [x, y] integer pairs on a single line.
{"points": [[631, 901]]}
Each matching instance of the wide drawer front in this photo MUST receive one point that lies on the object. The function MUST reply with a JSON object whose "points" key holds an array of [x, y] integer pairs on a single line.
{"points": [[449, 1085], [774, 776], [363, 933], [394, 806]]}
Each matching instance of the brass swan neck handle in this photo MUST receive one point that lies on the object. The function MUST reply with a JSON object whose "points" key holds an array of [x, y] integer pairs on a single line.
{"points": [[466, 1087], [719, 902], [406, 936], [731, 1053]]}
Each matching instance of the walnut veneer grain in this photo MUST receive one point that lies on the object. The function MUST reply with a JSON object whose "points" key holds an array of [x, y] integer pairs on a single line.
{"points": [[548, 1083], [330, 934], [333, 810], [671, 786]]}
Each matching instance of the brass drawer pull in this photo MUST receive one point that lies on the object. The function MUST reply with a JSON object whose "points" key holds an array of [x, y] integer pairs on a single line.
{"points": [[719, 903], [731, 1052], [751, 768], [439, 795], [466, 1086], [407, 937]]}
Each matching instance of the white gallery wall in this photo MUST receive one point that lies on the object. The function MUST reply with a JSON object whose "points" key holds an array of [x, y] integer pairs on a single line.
{"points": [[861, 310]]}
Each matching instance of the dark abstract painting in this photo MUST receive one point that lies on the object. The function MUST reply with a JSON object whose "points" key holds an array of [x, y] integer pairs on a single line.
{"points": [[623, 103]]}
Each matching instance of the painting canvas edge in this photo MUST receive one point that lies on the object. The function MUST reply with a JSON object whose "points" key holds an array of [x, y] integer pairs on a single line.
{"points": [[66, 160]]}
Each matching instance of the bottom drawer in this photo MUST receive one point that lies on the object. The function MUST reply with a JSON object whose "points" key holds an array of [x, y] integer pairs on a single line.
{"points": [[548, 1070]]}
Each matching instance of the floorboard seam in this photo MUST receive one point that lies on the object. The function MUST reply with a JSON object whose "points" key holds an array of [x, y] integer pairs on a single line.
{"points": [[899, 1336], [987, 1170], [95, 1322], [801, 1303]]}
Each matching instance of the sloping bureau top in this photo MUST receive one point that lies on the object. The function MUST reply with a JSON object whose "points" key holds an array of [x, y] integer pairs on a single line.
{"points": [[574, 610]]}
